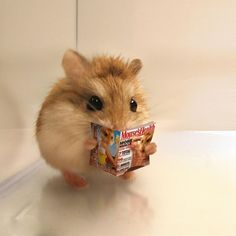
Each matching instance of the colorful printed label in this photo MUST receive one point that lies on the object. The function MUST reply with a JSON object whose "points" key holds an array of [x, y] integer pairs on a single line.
{"points": [[120, 151]]}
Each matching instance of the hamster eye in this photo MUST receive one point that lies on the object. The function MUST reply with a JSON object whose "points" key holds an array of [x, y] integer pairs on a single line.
{"points": [[133, 105], [94, 103]]}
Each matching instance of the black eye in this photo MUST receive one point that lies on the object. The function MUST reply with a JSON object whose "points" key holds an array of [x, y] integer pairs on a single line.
{"points": [[94, 103], [133, 105]]}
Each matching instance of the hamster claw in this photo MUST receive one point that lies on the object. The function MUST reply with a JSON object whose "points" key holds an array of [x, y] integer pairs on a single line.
{"points": [[74, 180]]}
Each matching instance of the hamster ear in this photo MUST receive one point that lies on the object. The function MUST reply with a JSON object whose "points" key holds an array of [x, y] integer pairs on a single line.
{"points": [[74, 64], [135, 66]]}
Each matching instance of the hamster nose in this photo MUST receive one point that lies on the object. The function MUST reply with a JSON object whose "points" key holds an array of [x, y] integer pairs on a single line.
{"points": [[119, 125]]}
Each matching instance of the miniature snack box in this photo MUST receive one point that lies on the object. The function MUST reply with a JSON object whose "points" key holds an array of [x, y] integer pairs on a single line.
{"points": [[120, 151]]}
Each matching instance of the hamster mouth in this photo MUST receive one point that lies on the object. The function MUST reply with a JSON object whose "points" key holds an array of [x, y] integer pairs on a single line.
{"points": [[108, 124], [118, 125], [119, 128]]}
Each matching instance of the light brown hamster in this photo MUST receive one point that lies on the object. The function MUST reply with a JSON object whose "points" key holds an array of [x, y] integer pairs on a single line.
{"points": [[107, 135], [104, 90], [139, 147], [146, 139], [107, 138]]}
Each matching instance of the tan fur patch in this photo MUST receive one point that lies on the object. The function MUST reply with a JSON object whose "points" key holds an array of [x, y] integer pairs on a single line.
{"points": [[103, 67]]}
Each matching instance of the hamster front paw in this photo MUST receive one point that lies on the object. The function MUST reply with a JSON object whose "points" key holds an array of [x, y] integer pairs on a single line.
{"points": [[90, 143], [74, 180], [150, 148], [128, 176]]}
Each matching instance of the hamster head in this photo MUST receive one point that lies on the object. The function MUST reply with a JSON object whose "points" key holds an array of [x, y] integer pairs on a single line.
{"points": [[147, 137], [106, 90], [107, 135]]}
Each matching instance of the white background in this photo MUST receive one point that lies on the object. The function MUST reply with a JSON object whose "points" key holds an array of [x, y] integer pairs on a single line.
{"points": [[188, 49], [34, 36]]}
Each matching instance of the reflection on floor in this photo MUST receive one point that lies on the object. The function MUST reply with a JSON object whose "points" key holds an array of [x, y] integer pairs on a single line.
{"points": [[189, 189]]}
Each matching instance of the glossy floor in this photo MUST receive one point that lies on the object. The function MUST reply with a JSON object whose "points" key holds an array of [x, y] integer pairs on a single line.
{"points": [[189, 189]]}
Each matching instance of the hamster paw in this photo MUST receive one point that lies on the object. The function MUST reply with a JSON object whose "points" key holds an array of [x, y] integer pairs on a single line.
{"points": [[150, 149], [90, 143], [128, 176], [74, 180]]}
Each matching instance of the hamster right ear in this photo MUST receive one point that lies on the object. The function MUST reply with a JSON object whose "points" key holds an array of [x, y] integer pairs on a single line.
{"points": [[135, 66], [74, 64]]}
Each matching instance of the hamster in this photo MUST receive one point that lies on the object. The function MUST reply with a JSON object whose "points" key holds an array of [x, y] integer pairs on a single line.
{"points": [[146, 139], [107, 138], [107, 135], [104, 90], [139, 147]]}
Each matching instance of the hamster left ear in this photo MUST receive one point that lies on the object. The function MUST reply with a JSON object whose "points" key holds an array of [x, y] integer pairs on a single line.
{"points": [[135, 66], [75, 65]]}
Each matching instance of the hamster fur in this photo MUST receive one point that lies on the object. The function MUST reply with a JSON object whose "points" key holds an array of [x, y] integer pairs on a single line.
{"points": [[64, 120]]}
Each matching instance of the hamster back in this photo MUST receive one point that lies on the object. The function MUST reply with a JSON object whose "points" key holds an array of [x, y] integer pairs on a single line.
{"points": [[104, 90]]}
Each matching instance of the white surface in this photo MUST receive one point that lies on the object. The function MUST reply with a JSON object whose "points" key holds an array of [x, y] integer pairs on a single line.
{"points": [[189, 189]]}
